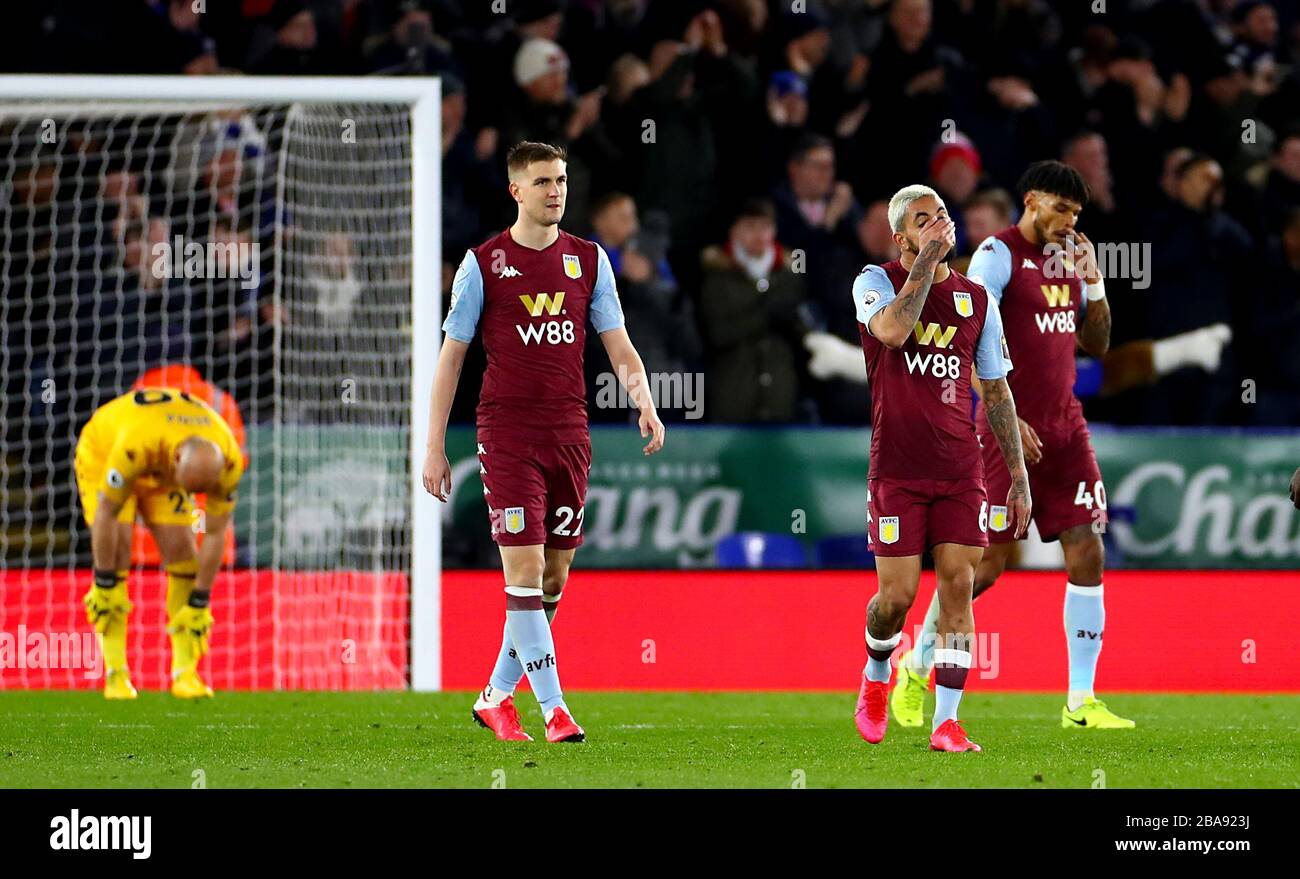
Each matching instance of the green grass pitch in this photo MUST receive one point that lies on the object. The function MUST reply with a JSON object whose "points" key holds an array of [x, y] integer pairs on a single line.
{"points": [[361, 740]]}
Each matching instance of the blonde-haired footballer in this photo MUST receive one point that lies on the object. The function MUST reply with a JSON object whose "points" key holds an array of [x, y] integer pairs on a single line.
{"points": [[147, 453]]}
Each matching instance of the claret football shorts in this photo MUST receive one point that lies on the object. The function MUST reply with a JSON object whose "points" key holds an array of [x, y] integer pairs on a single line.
{"points": [[908, 516], [1066, 486], [535, 493]]}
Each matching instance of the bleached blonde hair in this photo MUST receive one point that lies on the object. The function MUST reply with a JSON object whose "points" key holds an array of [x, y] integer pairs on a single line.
{"points": [[904, 197]]}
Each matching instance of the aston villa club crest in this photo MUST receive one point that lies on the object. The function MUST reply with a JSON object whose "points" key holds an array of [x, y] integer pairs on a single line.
{"points": [[514, 520], [963, 303], [572, 267], [889, 529], [998, 518]]}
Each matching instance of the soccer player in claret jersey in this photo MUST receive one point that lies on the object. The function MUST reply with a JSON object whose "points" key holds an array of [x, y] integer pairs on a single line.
{"points": [[530, 291], [923, 326], [1044, 274]]}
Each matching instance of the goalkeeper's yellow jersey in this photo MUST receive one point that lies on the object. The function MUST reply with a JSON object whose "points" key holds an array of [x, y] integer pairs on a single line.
{"points": [[136, 435]]}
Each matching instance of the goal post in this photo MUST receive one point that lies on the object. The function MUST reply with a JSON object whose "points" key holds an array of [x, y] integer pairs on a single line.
{"points": [[342, 217]]}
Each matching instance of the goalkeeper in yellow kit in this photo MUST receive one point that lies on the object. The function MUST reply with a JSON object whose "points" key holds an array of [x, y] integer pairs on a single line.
{"points": [[147, 453]]}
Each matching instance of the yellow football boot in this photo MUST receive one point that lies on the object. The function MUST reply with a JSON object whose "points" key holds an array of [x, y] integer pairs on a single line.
{"points": [[908, 699], [188, 685], [189, 628], [1093, 714], [117, 685]]}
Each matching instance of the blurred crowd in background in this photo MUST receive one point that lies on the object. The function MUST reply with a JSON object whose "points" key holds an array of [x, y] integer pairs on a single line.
{"points": [[735, 158]]}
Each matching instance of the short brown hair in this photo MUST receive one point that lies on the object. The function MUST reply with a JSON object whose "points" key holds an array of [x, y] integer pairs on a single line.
{"points": [[524, 153]]}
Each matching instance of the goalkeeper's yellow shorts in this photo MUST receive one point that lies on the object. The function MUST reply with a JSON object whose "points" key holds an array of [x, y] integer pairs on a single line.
{"points": [[156, 505]]}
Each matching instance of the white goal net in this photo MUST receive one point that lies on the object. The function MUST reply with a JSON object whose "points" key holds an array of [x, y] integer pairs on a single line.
{"points": [[261, 252]]}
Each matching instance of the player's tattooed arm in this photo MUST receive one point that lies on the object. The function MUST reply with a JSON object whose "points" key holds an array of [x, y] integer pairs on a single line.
{"points": [[1000, 407], [893, 324], [1094, 334]]}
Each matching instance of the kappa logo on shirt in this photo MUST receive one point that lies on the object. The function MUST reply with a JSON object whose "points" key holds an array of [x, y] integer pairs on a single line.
{"points": [[509, 272], [1028, 264]]}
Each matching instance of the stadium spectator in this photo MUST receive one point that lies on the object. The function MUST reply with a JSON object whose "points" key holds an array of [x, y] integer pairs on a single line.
{"points": [[131, 318], [1198, 253], [955, 169], [749, 314], [787, 117], [815, 212], [1255, 26], [666, 333], [804, 41], [472, 185], [730, 87], [489, 46], [542, 110], [908, 91], [1275, 316], [1280, 193], [985, 213], [872, 242], [158, 37], [875, 237], [698, 89], [412, 47], [1108, 225], [1170, 168], [1086, 153], [289, 41], [1102, 220], [835, 345]]}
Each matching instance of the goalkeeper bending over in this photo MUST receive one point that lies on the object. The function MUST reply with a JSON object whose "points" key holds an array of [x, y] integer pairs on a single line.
{"points": [[148, 453]]}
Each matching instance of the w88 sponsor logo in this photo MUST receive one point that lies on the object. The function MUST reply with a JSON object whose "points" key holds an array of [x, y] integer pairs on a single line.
{"points": [[551, 332], [937, 365], [1055, 321]]}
